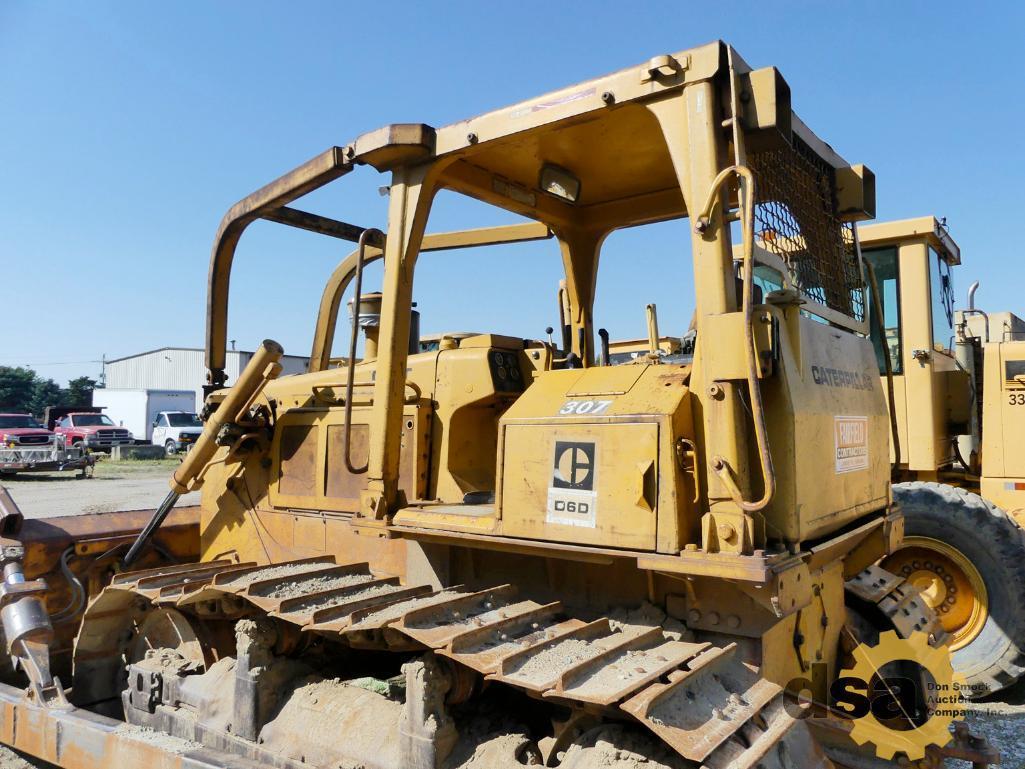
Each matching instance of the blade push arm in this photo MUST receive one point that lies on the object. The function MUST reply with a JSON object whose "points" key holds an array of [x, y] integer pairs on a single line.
{"points": [[263, 367]]}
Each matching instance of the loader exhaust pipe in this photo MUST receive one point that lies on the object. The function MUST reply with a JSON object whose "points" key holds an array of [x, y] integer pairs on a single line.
{"points": [[972, 311], [971, 294], [263, 367]]}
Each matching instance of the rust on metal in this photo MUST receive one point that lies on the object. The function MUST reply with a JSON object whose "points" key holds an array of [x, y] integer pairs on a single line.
{"points": [[713, 684], [75, 738], [637, 670]]}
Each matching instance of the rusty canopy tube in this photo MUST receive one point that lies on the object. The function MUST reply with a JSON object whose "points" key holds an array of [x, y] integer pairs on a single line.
{"points": [[266, 202], [322, 225], [382, 149]]}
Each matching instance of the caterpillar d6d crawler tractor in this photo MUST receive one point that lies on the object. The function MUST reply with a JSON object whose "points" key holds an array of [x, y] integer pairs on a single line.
{"points": [[490, 552], [959, 398]]}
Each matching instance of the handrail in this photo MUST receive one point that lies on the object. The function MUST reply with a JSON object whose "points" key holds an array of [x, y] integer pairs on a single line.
{"points": [[364, 237], [719, 463], [746, 200]]}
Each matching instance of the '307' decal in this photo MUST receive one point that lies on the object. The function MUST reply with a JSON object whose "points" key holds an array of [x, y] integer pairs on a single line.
{"points": [[572, 408]]}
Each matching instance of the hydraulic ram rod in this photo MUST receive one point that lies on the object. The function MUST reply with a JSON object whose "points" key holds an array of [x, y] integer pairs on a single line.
{"points": [[263, 367]]}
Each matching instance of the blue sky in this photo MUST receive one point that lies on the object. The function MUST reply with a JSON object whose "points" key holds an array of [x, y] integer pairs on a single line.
{"points": [[129, 128]]}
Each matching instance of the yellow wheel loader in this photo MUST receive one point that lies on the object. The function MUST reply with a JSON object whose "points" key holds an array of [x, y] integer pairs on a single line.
{"points": [[959, 404], [487, 551]]}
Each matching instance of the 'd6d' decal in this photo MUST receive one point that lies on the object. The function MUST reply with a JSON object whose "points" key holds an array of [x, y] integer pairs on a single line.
{"points": [[572, 500]]}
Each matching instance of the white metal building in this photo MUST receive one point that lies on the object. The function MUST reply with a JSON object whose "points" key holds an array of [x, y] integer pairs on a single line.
{"points": [[181, 368]]}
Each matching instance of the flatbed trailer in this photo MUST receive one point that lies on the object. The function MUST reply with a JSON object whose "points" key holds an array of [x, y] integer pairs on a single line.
{"points": [[42, 459]]}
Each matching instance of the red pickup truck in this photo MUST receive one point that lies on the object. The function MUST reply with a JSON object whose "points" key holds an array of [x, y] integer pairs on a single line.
{"points": [[93, 431], [17, 430]]}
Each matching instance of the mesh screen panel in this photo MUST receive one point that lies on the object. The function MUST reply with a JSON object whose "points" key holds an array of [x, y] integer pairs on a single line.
{"points": [[795, 217]]}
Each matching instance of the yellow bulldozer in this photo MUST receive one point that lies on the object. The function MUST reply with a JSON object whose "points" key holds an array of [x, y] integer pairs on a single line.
{"points": [[959, 404], [490, 551]]}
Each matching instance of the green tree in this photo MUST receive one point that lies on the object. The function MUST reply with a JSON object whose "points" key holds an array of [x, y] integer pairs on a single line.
{"points": [[17, 388], [80, 391], [46, 393]]}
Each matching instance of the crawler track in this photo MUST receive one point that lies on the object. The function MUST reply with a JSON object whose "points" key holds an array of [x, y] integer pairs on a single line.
{"points": [[700, 699]]}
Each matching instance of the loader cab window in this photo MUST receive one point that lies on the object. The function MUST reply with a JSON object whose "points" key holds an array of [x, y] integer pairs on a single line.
{"points": [[884, 260], [1015, 372], [767, 279], [942, 304]]}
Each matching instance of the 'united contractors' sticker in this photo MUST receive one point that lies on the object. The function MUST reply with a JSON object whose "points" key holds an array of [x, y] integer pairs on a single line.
{"points": [[851, 444]]}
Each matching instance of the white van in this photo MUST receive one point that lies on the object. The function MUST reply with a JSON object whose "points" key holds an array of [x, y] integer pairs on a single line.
{"points": [[176, 431]]}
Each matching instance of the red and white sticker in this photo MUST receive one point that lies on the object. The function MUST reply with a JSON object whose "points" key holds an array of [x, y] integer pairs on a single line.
{"points": [[851, 435]]}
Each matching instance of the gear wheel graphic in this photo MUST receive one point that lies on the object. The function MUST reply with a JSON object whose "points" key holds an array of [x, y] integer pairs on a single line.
{"points": [[936, 731]]}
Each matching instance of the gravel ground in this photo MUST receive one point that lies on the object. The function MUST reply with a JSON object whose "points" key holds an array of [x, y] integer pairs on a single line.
{"points": [[1004, 733], [128, 485], [10, 759], [1002, 722]]}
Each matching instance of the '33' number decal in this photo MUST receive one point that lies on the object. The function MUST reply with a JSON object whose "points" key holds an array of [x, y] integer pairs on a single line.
{"points": [[1017, 399]]}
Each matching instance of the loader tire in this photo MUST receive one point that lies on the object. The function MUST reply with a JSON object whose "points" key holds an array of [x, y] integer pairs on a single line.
{"points": [[967, 557]]}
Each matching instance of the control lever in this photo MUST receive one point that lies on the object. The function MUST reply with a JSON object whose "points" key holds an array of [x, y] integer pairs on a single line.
{"points": [[263, 367]]}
